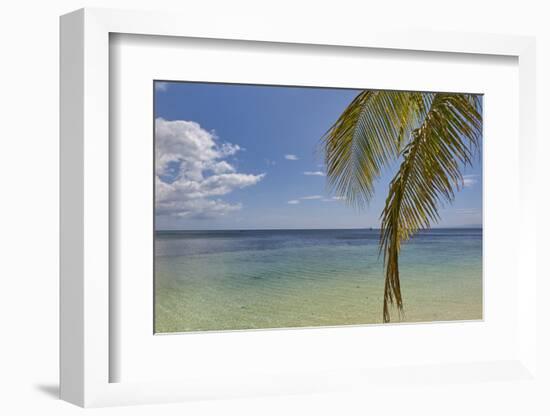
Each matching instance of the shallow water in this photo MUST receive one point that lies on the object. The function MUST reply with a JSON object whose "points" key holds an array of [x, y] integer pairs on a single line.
{"points": [[225, 280]]}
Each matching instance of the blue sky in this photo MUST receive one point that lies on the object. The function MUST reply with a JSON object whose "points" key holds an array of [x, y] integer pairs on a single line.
{"points": [[248, 157]]}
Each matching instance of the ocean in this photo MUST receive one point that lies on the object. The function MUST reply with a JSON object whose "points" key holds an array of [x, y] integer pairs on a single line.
{"points": [[251, 279]]}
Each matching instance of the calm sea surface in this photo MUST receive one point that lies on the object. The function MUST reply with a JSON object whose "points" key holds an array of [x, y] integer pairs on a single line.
{"points": [[222, 280]]}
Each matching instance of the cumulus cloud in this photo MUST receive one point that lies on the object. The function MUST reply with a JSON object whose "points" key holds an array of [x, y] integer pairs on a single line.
{"points": [[314, 173], [191, 173], [470, 180], [291, 157]]}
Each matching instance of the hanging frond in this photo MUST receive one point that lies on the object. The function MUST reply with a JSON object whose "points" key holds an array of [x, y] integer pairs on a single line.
{"points": [[367, 137], [428, 176]]}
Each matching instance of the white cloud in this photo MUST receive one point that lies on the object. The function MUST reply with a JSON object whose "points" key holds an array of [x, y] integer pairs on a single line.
{"points": [[161, 86], [316, 198], [191, 174], [291, 157], [470, 180], [334, 199], [315, 173], [222, 167], [309, 197], [304, 198]]}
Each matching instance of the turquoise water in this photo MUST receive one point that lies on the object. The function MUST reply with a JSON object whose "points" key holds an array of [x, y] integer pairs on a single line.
{"points": [[226, 280]]}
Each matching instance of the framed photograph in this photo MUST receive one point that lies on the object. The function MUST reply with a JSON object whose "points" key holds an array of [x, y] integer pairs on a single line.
{"points": [[271, 213], [273, 230]]}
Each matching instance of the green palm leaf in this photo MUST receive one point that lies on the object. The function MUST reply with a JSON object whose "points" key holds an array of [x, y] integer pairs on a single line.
{"points": [[367, 137], [434, 134], [428, 176]]}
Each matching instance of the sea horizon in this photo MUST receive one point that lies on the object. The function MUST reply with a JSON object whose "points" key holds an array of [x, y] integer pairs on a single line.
{"points": [[473, 227]]}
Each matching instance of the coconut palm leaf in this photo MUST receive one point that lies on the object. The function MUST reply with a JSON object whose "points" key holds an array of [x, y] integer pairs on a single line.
{"points": [[427, 178], [435, 135], [367, 137]]}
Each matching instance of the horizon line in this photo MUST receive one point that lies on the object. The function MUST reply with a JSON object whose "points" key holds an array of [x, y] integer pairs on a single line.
{"points": [[460, 227]]}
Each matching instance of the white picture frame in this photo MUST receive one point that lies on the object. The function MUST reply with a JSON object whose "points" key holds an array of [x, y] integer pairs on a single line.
{"points": [[86, 355]]}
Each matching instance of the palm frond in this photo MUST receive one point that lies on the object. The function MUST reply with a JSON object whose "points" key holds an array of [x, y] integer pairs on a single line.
{"points": [[368, 136], [427, 177]]}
